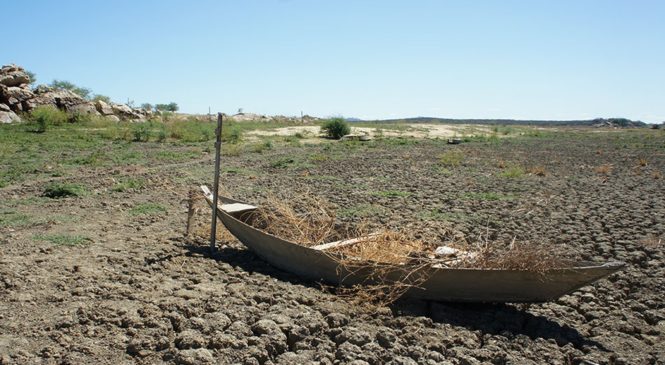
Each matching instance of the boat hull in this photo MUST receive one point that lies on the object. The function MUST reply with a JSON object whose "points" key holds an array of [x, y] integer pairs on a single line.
{"points": [[440, 284]]}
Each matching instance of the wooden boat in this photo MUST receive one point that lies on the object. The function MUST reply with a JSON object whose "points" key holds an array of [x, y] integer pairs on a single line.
{"points": [[441, 284]]}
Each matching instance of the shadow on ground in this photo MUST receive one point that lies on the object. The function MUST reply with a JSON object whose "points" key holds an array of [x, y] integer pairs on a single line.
{"points": [[496, 319]]}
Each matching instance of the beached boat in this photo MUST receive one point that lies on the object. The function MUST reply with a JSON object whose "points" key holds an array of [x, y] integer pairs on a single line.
{"points": [[441, 284]]}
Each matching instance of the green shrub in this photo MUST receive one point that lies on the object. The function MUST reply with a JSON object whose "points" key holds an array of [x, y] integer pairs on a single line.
{"points": [[80, 91], [63, 190], [140, 132], [336, 128], [46, 115]]}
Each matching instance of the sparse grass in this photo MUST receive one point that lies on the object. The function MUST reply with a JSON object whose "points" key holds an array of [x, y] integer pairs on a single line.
{"points": [[147, 209], [231, 149], [128, 184], [64, 239], [451, 158], [362, 211], [10, 218], [282, 162], [63, 190], [512, 172]]}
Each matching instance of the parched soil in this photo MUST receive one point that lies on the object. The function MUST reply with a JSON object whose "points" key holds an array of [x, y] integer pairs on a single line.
{"points": [[109, 277]]}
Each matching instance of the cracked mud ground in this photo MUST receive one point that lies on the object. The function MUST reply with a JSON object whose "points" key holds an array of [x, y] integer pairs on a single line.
{"points": [[108, 277]]}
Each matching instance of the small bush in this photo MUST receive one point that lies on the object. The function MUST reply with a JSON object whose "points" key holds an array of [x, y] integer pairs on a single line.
{"points": [[63, 190], [47, 115], [336, 128], [140, 132]]}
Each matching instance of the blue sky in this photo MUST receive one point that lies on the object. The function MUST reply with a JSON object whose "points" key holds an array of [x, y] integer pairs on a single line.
{"points": [[531, 59]]}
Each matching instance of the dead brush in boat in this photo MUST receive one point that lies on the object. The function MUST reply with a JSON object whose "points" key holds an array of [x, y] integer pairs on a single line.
{"points": [[311, 223], [518, 256], [393, 261]]}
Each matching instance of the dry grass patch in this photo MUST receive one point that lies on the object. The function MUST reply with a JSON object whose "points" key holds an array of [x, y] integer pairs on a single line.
{"points": [[605, 169]]}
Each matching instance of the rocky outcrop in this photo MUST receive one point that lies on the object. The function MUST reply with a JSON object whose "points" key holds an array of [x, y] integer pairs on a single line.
{"points": [[17, 97], [12, 75]]}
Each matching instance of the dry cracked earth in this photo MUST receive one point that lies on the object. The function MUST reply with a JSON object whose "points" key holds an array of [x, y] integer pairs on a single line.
{"points": [[110, 278]]}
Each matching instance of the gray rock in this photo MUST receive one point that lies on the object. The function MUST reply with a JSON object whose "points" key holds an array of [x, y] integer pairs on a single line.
{"points": [[9, 117], [4, 108], [12, 75], [103, 108], [87, 109], [194, 357]]}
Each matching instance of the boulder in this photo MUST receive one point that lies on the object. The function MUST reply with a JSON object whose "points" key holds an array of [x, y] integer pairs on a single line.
{"points": [[86, 108], [18, 93], [103, 108], [12, 75], [8, 117], [4, 108], [113, 118]]}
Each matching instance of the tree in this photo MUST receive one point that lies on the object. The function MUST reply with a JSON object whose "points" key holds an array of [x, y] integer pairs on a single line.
{"points": [[32, 76], [80, 91], [146, 106], [170, 107]]}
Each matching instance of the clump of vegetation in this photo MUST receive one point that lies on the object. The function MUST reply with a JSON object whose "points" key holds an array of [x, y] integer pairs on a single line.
{"points": [[147, 209], [605, 169], [538, 171], [451, 158], [260, 147], [64, 239], [46, 115], [392, 193], [336, 128], [282, 162], [513, 172], [128, 185], [170, 107], [63, 190]]}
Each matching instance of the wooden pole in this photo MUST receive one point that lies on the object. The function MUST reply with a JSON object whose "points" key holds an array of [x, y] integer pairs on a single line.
{"points": [[215, 186]]}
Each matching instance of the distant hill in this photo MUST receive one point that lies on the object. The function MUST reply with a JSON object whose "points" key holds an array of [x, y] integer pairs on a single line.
{"points": [[598, 122]]}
